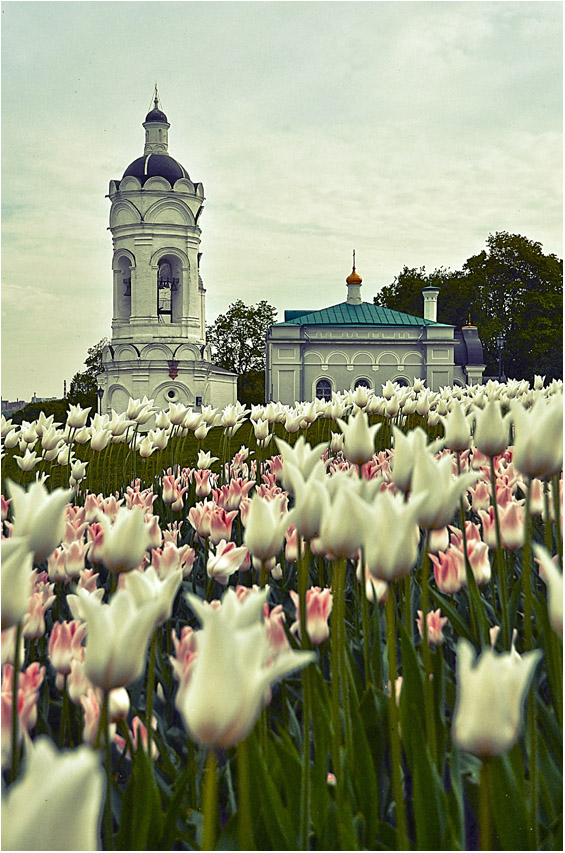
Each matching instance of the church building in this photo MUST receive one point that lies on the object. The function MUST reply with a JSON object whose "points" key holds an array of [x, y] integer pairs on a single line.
{"points": [[158, 342], [315, 353]]}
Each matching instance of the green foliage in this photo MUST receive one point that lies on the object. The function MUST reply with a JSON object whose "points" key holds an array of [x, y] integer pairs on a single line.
{"points": [[237, 337], [251, 387], [512, 288], [84, 385], [58, 408]]}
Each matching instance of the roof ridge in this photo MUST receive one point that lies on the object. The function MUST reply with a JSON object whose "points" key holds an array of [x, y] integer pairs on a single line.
{"points": [[364, 313]]}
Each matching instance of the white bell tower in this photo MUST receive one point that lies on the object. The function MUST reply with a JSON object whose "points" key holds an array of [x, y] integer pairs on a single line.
{"points": [[158, 343]]}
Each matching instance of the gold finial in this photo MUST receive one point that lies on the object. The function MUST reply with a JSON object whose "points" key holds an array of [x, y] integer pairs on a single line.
{"points": [[156, 98], [353, 277]]}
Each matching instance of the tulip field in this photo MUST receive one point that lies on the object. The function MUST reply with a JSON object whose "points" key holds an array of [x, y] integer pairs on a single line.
{"points": [[333, 626]]}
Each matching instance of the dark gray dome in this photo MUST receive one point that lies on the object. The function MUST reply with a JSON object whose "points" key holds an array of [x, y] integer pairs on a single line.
{"points": [[156, 165], [156, 115]]}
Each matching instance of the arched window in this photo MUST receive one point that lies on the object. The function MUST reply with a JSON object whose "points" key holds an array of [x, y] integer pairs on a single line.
{"points": [[324, 389], [166, 286], [402, 381], [123, 290], [362, 382]]}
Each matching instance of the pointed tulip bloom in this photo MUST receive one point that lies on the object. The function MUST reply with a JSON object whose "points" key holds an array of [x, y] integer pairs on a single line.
{"points": [[57, 801], [391, 536], [553, 579], [341, 531], [457, 431], [231, 675], [147, 587], [435, 480], [491, 429], [265, 527], [435, 626], [16, 580], [309, 498], [117, 637], [39, 515], [407, 448], [359, 438], [227, 560], [538, 441], [77, 417], [490, 696], [318, 608], [447, 571], [125, 541], [28, 461], [302, 456], [65, 643]]}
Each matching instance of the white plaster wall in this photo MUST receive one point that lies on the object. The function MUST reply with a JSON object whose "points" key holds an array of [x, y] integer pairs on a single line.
{"points": [[298, 358]]}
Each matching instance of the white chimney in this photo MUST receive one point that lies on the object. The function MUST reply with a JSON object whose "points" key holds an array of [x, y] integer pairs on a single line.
{"points": [[430, 295]]}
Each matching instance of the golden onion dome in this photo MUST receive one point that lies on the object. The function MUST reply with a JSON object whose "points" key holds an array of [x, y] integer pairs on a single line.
{"points": [[353, 278]]}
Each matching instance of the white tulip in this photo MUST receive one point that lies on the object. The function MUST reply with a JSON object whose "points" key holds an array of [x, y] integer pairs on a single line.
{"points": [[117, 637], [490, 698], [229, 680], [40, 515], [56, 803]]}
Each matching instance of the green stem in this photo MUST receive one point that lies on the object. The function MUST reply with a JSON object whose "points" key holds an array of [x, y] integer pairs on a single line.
{"points": [[426, 655], [123, 727], [245, 817], [377, 660], [305, 770], [408, 605], [105, 727], [113, 584], [394, 737], [500, 575], [548, 529], [15, 720], [210, 802], [337, 734], [191, 768], [557, 517], [150, 690], [210, 589], [533, 771], [485, 798], [64, 713], [367, 667], [303, 579], [527, 572]]}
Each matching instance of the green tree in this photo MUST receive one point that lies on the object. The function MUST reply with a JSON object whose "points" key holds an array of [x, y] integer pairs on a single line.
{"points": [[521, 296], [237, 339], [512, 288], [84, 385]]}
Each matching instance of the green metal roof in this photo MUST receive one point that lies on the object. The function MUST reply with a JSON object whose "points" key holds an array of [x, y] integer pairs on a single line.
{"points": [[365, 314]]}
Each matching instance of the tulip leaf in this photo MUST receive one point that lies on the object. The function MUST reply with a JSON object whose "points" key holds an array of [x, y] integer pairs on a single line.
{"points": [[365, 780], [175, 806], [141, 817], [509, 806], [373, 713], [276, 817], [457, 623], [514, 602], [429, 801]]}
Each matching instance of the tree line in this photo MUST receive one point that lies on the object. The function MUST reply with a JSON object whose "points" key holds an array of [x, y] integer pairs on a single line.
{"points": [[511, 288]]}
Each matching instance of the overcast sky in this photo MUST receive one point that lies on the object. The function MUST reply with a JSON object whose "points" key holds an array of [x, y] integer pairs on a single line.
{"points": [[408, 131]]}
